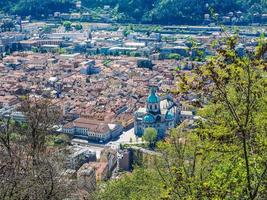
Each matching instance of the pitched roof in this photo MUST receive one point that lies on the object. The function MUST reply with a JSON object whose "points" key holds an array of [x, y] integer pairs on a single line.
{"points": [[93, 125]]}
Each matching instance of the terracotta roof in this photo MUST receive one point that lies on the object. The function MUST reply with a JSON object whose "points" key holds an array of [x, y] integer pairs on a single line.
{"points": [[7, 99], [92, 125]]}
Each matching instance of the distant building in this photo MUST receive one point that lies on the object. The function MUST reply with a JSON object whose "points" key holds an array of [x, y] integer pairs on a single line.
{"points": [[8, 101], [49, 48], [92, 130], [187, 115], [65, 16], [181, 50], [121, 50], [86, 16], [78, 156], [18, 117], [88, 68], [161, 114], [135, 44]]}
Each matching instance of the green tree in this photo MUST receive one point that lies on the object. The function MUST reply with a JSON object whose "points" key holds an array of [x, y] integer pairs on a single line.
{"points": [[150, 136], [62, 51], [67, 25], [37, 8], [47, 29], [144, 11], [78, 27], [141, 184], [175, 56], [233, 134]]}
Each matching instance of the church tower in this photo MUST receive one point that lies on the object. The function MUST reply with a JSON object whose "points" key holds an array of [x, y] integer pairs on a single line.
{"points": [[153, 101]]}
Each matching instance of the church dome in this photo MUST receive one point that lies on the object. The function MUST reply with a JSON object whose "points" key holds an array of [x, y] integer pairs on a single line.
{"points": [[169, 116], [153, 97], [149, 119]]}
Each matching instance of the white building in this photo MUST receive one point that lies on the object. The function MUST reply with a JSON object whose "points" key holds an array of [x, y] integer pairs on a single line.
{"points": [[92, 130]]}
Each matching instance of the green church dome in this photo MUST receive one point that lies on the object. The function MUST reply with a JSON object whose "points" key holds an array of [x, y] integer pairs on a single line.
{"points": [[149, 119], [169, 116], [153, 97]]}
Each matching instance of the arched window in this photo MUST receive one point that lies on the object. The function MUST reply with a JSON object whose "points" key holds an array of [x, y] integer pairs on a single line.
{"points": [[150, 107]]}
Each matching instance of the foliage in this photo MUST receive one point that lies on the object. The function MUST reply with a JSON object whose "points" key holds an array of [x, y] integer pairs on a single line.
{"points": [[234, 128], [176, 11], [141, 184], [36, 8], [175, 56], [144, 11], [62, 51], [78, 27], [106, 62], [57, 140], [127, 30], [150, 136], [67, 25], [47, 29]]}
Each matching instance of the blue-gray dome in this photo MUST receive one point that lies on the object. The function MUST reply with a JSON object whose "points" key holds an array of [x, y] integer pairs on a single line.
{"points": [[153, 97], [169, 116], [149, 119]]}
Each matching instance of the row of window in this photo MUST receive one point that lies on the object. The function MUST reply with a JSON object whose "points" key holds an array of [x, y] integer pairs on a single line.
{"points": [[84, 131]]}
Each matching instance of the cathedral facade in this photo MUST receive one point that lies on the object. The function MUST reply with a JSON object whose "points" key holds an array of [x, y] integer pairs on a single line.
{"points": [[159, 113]]}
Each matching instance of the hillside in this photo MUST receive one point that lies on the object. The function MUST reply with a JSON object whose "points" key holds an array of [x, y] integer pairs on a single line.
{"points": [[143, 11]]}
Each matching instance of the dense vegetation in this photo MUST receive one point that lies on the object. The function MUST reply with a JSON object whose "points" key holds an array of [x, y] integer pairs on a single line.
{"points": [[146, 11], [35, 8]]}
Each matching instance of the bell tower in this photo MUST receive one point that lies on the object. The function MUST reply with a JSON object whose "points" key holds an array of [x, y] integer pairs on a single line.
{"points": [[153, 101]]}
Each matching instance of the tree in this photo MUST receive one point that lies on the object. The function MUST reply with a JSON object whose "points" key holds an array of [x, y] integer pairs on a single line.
{"points": [[28, 168], [62, 51], [141, 184], [177, 166], [78, 27], [233, 148], [175, 56], [150, 135], [144, 11], [36, 8], [47, 29], [67, 25]]}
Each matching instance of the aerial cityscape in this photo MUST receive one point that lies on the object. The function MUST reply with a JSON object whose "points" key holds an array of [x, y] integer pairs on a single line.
{"points": [[133, 99]]}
